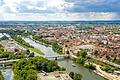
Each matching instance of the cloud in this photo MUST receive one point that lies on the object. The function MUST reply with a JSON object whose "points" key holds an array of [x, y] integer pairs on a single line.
{"points": [[95, 6], [53, 6], [62, 16], [59, 9], [1, 2], [94, 1], [36, 6]]}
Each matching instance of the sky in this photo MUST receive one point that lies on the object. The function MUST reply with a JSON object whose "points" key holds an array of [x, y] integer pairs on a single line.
{"points": [[63, 10]]}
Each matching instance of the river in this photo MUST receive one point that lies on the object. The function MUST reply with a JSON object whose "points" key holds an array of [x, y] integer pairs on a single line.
{"points": [[67, 63], [47, 50], [7, 74]]}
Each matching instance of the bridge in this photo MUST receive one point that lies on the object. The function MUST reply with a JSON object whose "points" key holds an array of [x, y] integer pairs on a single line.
{"points": [[6, 61], [50, 57], [55, 57]]}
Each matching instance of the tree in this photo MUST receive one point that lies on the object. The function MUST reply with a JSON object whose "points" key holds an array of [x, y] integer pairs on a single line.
{"points": [[1, 77], [4, 38], [67, 52], [77, 76], [27, 52], [16, 50], [71, 74], [56, 47], [95, 52], [32, 75], [26, 69], [83, 53], [116, 61], [1, 46], [31, 54], [90, 66], [1, 51], [106, 68], [81, 60], [78, 53]]}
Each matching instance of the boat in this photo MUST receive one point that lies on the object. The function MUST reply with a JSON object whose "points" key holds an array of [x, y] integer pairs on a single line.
{"points": [[73, 65]]}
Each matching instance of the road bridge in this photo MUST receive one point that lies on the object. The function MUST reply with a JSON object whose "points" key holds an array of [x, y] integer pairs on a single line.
{"points": [[49, 57], [6, 61]]}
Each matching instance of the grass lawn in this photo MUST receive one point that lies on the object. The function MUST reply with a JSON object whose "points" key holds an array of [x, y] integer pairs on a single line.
{"points": [[36, 50]]}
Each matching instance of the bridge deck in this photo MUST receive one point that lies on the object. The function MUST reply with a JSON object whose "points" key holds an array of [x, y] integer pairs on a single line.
{"points": [[6, 61], [57, 56]]}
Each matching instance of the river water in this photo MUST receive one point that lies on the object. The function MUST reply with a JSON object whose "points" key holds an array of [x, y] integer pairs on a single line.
{"points": [[7, 74], [67, 63], [47, 50]]}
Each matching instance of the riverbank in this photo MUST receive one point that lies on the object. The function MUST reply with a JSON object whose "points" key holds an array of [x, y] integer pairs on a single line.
{"points": [[26, 45], [36, 50], [102, 73], [106, 75], [1, 76], [55, 46]]}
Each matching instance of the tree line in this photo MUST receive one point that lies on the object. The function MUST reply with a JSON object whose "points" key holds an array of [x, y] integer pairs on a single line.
{"points": [[15, 55], [1, 76], [26, 69], [82, 59]]}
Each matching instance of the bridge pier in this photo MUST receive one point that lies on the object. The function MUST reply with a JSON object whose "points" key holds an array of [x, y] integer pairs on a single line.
{"points": [[55, 58], [58, 56], [2, 65]]}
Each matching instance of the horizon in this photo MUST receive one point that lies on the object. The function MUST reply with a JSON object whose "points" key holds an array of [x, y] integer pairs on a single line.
{"points": [[61, 22], [58, 20]]}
